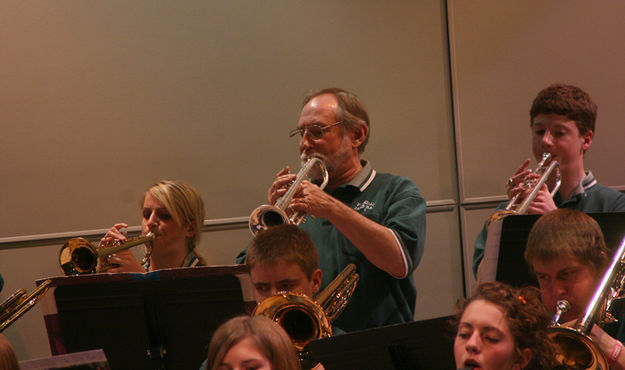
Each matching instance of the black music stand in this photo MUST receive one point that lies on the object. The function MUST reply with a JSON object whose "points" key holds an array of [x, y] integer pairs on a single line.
{"points": [[511, 265], [419, 345], [160, 320]]}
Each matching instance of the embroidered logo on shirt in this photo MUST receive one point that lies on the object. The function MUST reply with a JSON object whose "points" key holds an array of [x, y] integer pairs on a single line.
{"points": [[364, 206]]}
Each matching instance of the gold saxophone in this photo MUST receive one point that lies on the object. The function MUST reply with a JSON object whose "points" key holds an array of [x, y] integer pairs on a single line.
{"points": [[19, 303]]}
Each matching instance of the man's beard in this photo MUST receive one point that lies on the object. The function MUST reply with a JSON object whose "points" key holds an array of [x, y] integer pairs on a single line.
{"points": [[333, 161]]}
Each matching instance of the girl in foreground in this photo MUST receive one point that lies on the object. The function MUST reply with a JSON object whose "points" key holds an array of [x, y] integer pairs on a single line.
{"points": [[254, 342], [501, 327]]}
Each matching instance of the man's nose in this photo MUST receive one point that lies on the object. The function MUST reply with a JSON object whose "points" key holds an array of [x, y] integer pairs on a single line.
{"points": [[547, 139], [305, 142], [559, 289]]}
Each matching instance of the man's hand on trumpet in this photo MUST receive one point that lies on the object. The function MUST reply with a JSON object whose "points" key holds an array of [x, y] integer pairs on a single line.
{"points": [[284, 178], [543, 202], [311, 199], [515, 183], [520, 183]]}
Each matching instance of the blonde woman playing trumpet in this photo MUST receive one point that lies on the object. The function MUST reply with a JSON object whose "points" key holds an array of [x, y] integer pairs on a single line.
{"points": [[174, 212]]}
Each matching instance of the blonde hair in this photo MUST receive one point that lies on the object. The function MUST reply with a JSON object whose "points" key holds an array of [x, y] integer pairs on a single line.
{"points": [[184, 204], [268, 337], [8, 359]]}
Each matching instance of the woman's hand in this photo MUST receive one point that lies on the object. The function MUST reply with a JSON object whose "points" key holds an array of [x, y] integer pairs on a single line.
{"points": [[115, 233], [121, 261]]}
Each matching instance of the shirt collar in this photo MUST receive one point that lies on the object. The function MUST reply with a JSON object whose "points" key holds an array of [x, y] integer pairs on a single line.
{"points": [[587, 182], [190, 260], [364, 177]]}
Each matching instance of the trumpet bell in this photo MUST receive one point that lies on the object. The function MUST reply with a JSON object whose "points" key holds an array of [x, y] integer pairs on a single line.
{"points": [[266, 216], [576, 350], [78, 256]]}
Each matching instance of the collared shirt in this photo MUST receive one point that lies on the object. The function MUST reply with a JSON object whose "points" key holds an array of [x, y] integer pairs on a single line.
{"points": [[589, 197], [391, 201], [361, 181], [191, 260]]}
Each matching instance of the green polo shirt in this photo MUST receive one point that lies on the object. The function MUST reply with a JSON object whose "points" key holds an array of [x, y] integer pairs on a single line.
{"points": [[394, 202]]}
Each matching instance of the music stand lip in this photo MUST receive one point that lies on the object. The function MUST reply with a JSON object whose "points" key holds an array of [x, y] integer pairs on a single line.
{"points": [[424, 344]]}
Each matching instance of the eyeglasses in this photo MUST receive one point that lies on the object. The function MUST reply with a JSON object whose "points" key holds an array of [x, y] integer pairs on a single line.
{"points": [[313, 131]]}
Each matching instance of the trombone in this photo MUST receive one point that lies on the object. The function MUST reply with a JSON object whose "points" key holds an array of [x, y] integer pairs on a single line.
{"points": [[578, 351], [79, 256], [19, 303], [305, 319], [267, 215]]}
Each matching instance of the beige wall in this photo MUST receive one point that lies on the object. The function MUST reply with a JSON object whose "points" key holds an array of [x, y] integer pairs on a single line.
{"points": [[101, 99], [503, 53]]}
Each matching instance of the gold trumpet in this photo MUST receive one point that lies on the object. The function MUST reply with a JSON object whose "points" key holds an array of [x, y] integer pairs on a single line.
{"points": [[79, 256], [577, 350], [267, 215], [518, 205], [304, 319], [18, 303]]}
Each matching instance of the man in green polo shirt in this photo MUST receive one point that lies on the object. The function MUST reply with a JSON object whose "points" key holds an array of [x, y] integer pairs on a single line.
{"points": [[374, 220]]}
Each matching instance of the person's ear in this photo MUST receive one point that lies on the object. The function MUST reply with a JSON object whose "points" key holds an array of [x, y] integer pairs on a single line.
{"points": [[359, 134], [524, 358], [190, 229], [587, 140], [316, 280]]}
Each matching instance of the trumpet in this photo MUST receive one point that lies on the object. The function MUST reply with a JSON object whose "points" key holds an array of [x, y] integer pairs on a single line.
{"points": [[267, 215], [19, 303], [79, 256], [578, 351], [518, 205], [305, 319]]}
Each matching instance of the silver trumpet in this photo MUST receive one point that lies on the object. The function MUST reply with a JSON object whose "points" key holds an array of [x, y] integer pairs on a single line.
{"points": [[518, 205], [267, 215], [535, 184]]}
